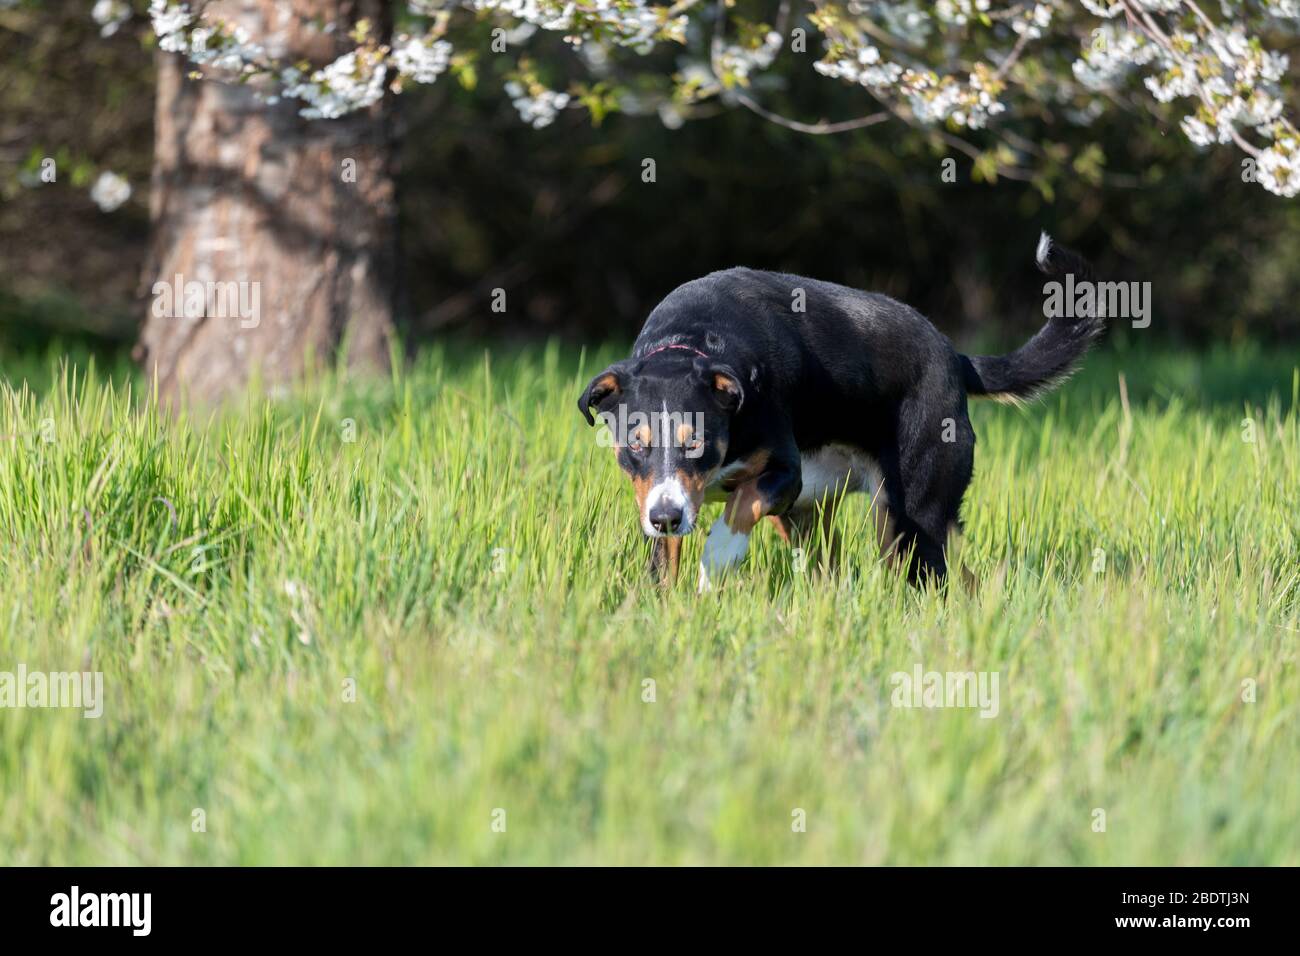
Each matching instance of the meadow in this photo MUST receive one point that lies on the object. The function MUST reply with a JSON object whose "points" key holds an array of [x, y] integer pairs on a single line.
{"points": [[409, 622]]}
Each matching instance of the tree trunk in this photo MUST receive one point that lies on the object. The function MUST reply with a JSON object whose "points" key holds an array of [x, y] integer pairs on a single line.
{"points": [[252, 204]]}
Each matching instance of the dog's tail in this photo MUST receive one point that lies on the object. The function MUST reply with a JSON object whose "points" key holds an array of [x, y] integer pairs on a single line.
{"points": [[1052, 355]]}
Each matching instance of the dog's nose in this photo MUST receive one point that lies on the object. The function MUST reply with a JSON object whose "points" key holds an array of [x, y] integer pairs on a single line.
{"points": [[666, 517]]}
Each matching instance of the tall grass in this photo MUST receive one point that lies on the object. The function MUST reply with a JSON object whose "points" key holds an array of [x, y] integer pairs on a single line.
{"points": [[453, 544]]}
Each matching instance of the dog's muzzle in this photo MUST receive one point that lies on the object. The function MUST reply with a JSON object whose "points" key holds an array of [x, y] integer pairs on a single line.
{"points": [[667, 510]]}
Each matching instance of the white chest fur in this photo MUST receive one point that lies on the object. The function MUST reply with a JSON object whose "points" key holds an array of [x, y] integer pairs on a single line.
{"points": [[836, 470], [831, 470]]}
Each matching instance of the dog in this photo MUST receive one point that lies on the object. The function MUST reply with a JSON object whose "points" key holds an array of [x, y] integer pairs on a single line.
{"points": [[779, 394]]}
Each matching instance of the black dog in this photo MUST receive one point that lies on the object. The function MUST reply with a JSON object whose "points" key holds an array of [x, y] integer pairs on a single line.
{"points": [[779, 393]]}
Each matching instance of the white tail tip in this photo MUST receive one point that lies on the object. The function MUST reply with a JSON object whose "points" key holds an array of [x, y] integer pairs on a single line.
{"points": [[1044, 249]]}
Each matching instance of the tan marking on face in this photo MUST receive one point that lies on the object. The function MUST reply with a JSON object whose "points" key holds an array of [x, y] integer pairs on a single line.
{"points": [[641, 487], [684, 435], [695, 484], [744, 508], [606, 383], [725, 383]]}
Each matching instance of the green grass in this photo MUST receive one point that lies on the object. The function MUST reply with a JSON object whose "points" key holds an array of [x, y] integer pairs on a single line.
{"points": [[513, 678]]}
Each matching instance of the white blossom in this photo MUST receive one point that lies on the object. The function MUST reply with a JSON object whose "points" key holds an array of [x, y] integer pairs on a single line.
{"points": [[1278, 168], [1032, 25], [352, 82], [739, 62], [1197, 131], [629, 23], [537, 107], [907, 21], [941, 63], [169, 23], [1283, 9], [110, 15], [1103, 8], [420, 59], [959, 11], [110, 191], [1110, 55], [671, 116]]}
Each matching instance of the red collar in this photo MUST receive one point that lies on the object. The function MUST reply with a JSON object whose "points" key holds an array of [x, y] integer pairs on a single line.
{"points": [[684, 348]]}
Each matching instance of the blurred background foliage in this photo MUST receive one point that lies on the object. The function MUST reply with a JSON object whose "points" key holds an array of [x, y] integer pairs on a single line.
{"points": [[561, 219]]}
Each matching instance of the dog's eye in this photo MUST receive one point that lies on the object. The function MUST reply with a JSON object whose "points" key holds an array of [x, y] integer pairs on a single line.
{"points": [[694, 443], [635, 445]]}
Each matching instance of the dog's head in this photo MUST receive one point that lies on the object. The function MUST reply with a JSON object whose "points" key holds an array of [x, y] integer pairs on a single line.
{"points": [[669, 415]]}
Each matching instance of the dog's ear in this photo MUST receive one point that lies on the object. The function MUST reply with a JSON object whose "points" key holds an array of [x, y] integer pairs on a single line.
{"points": [[726, 387], [607, 383]]}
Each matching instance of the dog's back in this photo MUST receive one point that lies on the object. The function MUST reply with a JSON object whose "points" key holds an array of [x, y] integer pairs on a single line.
{"points": [[829, 342], [824, 349]]}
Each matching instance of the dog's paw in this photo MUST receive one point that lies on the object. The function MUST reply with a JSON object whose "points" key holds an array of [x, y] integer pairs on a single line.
{"points": [[723, 550], [705, 585]]}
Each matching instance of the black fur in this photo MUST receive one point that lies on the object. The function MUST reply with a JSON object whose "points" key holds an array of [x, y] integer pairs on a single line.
{"points": [[851, 368], [1051, 355]]}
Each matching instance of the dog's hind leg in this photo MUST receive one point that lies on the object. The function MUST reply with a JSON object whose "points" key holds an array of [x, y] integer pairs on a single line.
{"points": [[796, 529], [926, 475], [802, 528], [924, 555]]}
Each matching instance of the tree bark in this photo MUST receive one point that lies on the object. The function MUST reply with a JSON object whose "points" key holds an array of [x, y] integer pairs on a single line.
{"points": [[251, 193]]}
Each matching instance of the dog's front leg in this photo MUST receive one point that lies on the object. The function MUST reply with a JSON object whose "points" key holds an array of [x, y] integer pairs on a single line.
{"points": [[770, 493], [665, 557]]}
